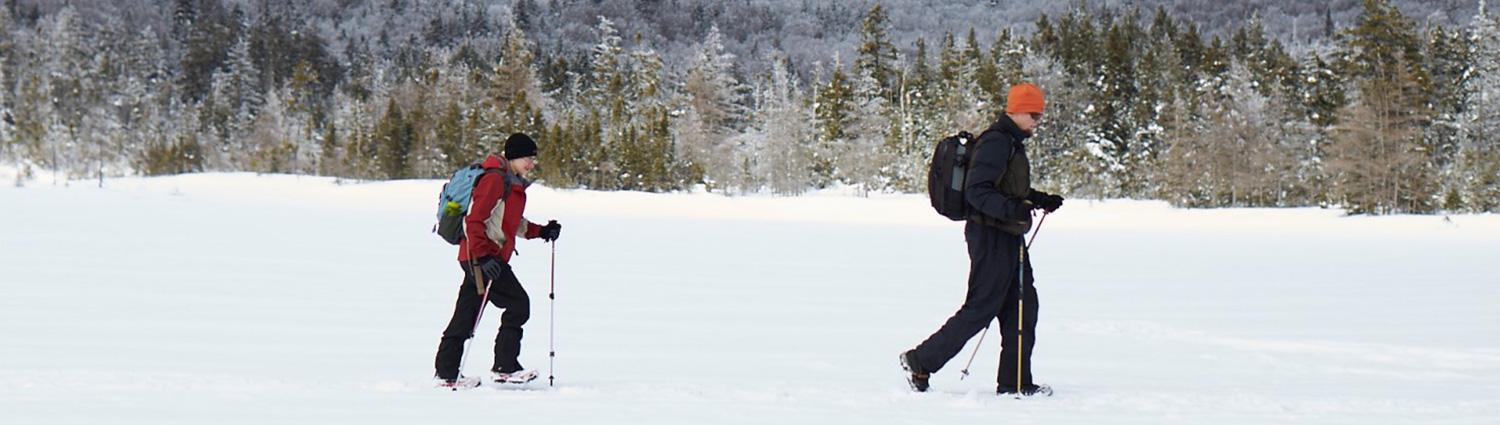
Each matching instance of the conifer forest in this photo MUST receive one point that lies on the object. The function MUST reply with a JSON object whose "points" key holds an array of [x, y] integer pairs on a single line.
{"points": [[1372, 106]]}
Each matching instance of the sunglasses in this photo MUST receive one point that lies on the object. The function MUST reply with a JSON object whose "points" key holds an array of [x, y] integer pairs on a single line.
{"points": [[1036, 116]]}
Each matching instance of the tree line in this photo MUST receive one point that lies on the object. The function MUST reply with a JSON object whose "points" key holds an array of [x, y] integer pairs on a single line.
{"points": [[1378, 116]]}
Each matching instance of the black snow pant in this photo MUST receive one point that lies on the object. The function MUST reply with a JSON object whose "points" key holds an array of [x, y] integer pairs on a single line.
{"points": [[505, 292], [993, 293]]}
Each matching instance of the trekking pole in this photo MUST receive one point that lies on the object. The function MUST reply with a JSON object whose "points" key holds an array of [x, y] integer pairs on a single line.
{"points": [[1021, 317], [483, 299], [552, 321], [965, 372], [1021, 308]]}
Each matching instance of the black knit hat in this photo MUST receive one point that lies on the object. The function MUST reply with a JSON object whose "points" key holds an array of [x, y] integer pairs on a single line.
{"points": [[519, 146]]}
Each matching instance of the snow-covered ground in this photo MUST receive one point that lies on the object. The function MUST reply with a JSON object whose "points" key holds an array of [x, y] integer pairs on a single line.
{"points": [[236, 298]]}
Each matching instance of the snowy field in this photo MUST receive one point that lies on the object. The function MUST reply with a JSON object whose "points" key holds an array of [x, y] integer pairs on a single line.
{"points": [[244, 299]]}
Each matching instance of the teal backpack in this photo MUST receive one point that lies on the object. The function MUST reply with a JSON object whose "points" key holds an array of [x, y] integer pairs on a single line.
{"points": [[453, 202]]}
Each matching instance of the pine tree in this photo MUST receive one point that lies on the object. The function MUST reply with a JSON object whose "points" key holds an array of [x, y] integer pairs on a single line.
{"points": [[394, 137], [141, 96], [649, 126], [648, 117], [204, 30], [236, 95], [1123, 152], [515, 75], [1008, 56], [781, 134], [605, 102], [865, 159], [877, 55], [67, 76], [912, 131], [306, 108], [713, 107], [1258, 150], [175, 150], [1325, 90], [1448, 63], [1479, 139], [355, 118], [833, 110], [1382, 160], [957, 97], [921, 72], [30, 114], [7, 119], [453, 142]]}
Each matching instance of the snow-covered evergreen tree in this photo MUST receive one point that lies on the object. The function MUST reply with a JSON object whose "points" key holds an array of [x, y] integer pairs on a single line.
{"points": [[1479, 147], [959, 98], [914, 131], [1382, 161], [866, 158], [646, 151], [7, 119], [235, 96], [269, 143], [64, 77], [712, 108], [516, 92], [7, 84], [604, 101], [608, 81], [877, 55], [780, 136], [833, 114]]}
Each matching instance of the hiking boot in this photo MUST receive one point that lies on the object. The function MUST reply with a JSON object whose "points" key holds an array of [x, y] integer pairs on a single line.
{"points": [[1026, 390], [917, 376]]}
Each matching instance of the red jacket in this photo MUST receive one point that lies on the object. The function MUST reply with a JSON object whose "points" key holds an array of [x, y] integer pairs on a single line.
{"points": [[491, 225]]}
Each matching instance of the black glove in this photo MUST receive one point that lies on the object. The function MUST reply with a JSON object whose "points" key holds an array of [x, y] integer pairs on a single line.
{"points": [[1046, 201], [491, 267], [551, 231]]}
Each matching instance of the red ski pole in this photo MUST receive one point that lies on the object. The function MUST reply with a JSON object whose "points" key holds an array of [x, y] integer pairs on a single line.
{"points": [[483, 299]]}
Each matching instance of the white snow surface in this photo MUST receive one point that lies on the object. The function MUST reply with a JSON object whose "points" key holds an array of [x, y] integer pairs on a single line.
{"points": [[242, 298]]}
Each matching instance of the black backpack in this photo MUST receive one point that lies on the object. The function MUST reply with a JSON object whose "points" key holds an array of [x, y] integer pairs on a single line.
{"points": [[948, 172]]}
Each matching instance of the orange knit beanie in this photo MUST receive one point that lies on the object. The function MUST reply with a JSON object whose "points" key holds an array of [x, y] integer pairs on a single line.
{"points": [[1025, 98]]}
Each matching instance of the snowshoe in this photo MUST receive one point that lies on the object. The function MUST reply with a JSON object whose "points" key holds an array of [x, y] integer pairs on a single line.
{"points": [[1026, 391], [460, 383], [517, 377]]}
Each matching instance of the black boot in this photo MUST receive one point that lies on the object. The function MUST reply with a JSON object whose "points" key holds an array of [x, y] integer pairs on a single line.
{"points": [[918, 376]]}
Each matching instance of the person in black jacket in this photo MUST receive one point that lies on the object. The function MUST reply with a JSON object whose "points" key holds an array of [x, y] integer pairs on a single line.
{"points": [[1001, 199]]}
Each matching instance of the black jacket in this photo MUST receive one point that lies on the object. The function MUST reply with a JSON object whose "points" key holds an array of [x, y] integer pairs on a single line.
{"points": [[1001, 202]]}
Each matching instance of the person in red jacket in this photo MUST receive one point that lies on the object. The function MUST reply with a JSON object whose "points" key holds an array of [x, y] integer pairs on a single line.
{"points": [[490, 230]]}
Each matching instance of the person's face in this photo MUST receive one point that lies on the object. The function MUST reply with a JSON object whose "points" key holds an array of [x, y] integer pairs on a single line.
{"points": [[1027, 121], [522, 166]]}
